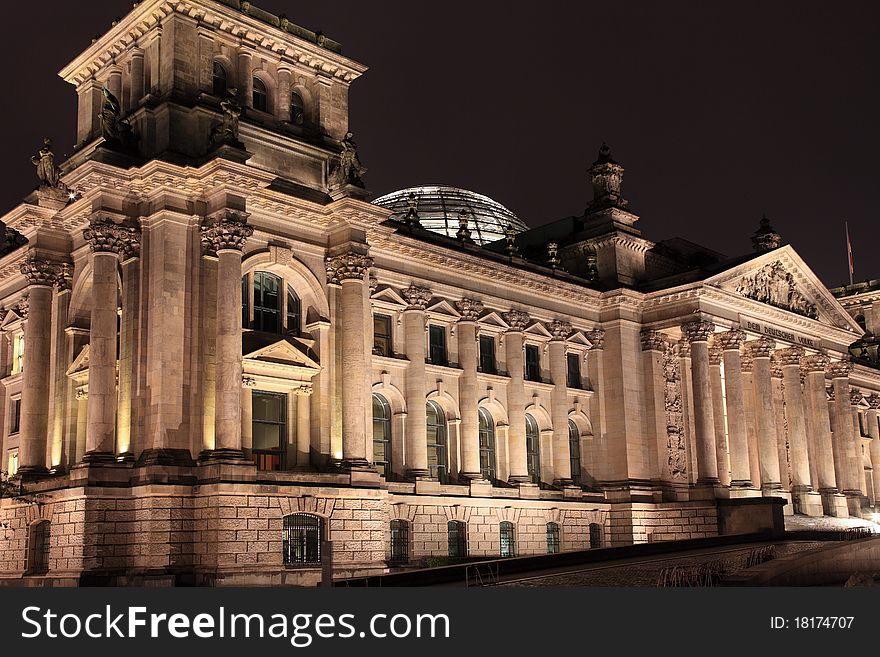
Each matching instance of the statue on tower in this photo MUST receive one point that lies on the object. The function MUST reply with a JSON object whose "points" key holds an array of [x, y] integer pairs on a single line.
{"points": [[606, 176], [348, 170], [114, 129], [226, 132], [47, 172]]}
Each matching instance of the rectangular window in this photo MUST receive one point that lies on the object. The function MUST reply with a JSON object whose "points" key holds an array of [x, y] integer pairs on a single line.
{"points": [[533, 363], [18, 353], [437, 345], [15, 415], [269, 429], [573, 370], [12, 462], [382, 344], [487, 354]]}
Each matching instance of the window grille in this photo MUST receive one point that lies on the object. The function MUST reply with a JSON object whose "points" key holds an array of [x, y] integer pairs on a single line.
{"points": [[301, 537]]}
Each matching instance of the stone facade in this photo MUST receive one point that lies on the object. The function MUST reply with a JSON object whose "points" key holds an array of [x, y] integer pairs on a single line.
{"points": [[220, 358]]}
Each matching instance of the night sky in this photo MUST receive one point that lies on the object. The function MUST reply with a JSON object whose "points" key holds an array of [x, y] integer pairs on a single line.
{"points": [[718, 111]]}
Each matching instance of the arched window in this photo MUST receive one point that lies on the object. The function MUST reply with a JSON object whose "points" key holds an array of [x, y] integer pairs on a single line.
{"points": [[860, 320], [301, 538], [297, 109], [552, 538], [456, 532], [220, 80], [399, 541], [262, 291], [595, 535], [574, 451], [508, 539], [381, 436], [38, 548], [487, 445], [261, 96], [294, 312], [436, 426], [533, 450]]}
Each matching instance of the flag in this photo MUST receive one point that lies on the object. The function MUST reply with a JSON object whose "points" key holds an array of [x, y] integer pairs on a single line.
{"points": [[849, 253]]}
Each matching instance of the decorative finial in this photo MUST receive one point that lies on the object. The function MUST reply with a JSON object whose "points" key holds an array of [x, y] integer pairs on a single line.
{"points": [[411, 218], [464, 232], [766, 238], [553, 254], [511, 248], [606, 176]]}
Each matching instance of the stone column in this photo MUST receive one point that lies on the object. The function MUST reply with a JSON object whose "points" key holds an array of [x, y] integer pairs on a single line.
{"points": [[856, 460], [59, 391], [128, 335], [592, 460], [559, 403], [108, 241], [468, 360], [34, 426], [748, 377], [790, 360], [779, 420], [226, 237], [654, 345], [697, 334], [114, 81], [350, 270], [282, 97], [303, 424], [819, 423], [137, 77], [738, 442], [245, 79], [516, 397], [416, 381], [765, 421], [844, 441], [871, 418], [722, 456]]}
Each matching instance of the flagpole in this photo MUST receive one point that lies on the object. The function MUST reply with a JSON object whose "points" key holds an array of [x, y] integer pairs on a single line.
{"points": [[849, 252]]}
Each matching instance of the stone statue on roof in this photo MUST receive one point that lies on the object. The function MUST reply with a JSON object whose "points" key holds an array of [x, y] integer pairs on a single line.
{"points": [[113, 128], [47, 172], [227, 131], [348, 170]]}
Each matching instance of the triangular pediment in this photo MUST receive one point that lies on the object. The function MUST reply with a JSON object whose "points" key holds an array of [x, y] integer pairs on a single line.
{"points": [[781, 279], [80, 363], [280, 352], [494, 319], [579, 338], [444, 308], [537, 328], [389, 295], [10, 318]]}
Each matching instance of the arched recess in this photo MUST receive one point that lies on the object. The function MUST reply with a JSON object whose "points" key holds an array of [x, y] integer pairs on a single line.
{"points": [[294, 272], [308, 103], [395, 399], [271, 89], [545, 427], [229, 67], [453, 425], [588, 457], [502, 449]]}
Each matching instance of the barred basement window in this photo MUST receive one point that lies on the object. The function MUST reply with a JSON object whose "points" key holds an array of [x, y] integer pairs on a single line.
{"points": [[457, 534], [399, 541], [38, 548], [595, 535], [552, 538], [508, 539], [301, 537]]}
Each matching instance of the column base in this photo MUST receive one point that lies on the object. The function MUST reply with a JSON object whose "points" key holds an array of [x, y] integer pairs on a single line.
{"points": [[471, 476], [854, 503], [223, 454], [563, 483], [31, 472], [834, 503], [417, 474], [741, 492], [776, 490], [96, 457], [357, 465], [125, 457], [516, 480], [808, 503]]}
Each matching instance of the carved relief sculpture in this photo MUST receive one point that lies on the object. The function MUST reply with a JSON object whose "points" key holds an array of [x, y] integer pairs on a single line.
{"points": [[775, 286]]}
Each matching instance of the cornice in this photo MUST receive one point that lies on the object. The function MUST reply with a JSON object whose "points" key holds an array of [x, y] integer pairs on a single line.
{"points": [[148, 16]]}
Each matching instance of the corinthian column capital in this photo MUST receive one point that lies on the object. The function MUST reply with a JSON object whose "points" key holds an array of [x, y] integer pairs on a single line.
{"points": [[814, 363], [348, 267], [697, 331], [106, 236], [417, 297], [762, 347], [789, 356], [559, 329], [39, 272], [596, 338], [730, 340], [470, 309], [840, 369], [229, 232], [517, 320]]}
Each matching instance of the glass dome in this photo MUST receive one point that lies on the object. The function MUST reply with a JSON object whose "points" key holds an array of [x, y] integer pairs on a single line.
{"points": [[439, 208]]}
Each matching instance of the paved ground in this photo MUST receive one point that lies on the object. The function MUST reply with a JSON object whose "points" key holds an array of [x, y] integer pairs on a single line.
{"points": [[803, 523], [647, 571]]}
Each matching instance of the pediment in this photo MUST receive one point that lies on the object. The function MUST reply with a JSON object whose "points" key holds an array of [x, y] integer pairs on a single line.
{"points": [[10, 318], [80, 363], [781, 279], [389, 295], [444, 308], [537, 328], [579, 338], [277, 352], [494, 319]]}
